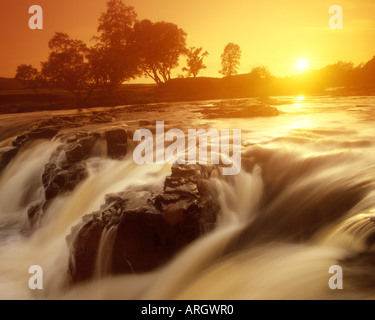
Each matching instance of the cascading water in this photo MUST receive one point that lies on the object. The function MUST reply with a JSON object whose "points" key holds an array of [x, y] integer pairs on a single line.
{"points": [[303, 201], [21, 185]]}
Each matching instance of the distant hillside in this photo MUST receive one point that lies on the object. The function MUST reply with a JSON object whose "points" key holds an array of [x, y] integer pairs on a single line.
{"points": [[10, 84], [341, 78], [238, 86]]}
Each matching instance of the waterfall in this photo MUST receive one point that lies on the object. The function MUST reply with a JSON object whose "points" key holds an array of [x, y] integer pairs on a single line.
{"points": [[21, 186], [103, 260], [303, 202]]}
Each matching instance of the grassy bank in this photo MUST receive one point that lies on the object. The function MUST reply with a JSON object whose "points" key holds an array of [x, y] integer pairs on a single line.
{"points": [[15, 99]]}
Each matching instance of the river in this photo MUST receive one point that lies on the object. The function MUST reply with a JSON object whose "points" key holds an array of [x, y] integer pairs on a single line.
{"points": [[306, 204]]}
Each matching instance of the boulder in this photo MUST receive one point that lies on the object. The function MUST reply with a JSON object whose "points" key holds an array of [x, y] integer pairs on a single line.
{"points": [[87, 143], [117, 143], [43, 133], [63, 174], [75, 153], [60, 179], [6, 155], [150, 226]]}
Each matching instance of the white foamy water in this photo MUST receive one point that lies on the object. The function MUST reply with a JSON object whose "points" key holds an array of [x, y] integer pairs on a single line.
{"points": [[303, 202]]}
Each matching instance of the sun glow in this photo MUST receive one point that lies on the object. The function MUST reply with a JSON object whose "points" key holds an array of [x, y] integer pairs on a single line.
{"points": [[302, 64]]}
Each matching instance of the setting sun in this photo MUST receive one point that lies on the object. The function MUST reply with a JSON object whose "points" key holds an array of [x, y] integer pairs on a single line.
{"points": [[302, 64]]}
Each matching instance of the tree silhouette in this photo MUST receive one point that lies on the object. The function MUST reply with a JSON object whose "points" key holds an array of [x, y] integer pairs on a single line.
{"points": [[195, 61], [68, 67], [261, 80], [111, 57], [28, 76], [338, 74], [158, 46], [261, 72], [230, 59], [368, 72]]}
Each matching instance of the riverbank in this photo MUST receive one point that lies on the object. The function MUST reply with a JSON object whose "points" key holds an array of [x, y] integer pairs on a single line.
{"points": [[15, 99]]}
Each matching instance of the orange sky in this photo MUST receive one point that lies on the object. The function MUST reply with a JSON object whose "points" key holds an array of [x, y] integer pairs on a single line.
{"points": [[275, 33]]}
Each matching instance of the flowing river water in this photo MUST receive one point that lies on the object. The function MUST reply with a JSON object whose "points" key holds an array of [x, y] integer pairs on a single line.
{"points": [[306, 204]]}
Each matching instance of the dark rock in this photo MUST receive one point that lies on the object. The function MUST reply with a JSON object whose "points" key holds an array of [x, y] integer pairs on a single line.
{"points": [[165, 199], [80, 146], [34, 212], [43, 133], [40, 132], [185, 171], [51, 191], [88, 142], [181, 187], [116, 143], [193, 170], [112, 198], [101, 117], [75, 154], [48, 129], [20, 140], [150, 226], [61, 176], [50, 167], [58, 180], [6, 155]]}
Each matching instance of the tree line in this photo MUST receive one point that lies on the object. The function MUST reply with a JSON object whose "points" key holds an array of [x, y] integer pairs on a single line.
{"points": [[124, 48], [341, 77]]}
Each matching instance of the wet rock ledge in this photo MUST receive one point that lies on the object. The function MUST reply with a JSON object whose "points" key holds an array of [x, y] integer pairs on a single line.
{"points": [[138, 230], [48, 129], [67, 166]]}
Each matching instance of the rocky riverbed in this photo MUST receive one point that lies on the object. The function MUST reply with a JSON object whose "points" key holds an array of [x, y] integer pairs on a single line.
{"points": [[141, 228]]}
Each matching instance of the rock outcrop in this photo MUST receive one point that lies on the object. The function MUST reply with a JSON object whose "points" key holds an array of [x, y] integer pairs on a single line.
{"points": [[6, 155], [48, 129], [67, 166], [147, 227], [117, 146]]}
